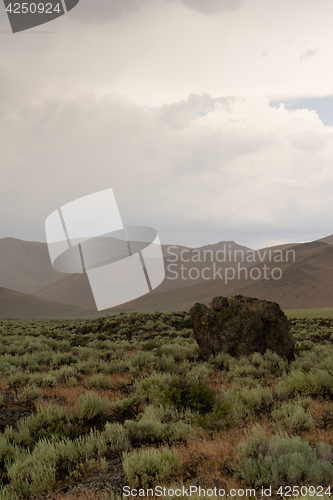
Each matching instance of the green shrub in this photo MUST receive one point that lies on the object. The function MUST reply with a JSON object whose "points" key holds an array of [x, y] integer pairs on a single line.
{"points": [[319, 383], [318, 357], [283, 460], [116, 437], [167, 414], [145, 432], [50, 380], [7, 454], [247, 402], [17, 379], [48, 421], [303, 346], [145, 468], [295, 416], [181, 351], [139, 360], [269, 364], [222, 360], [65, 373], [90, 406], [242, 367], [153, 431], [99, 381], [31, 478], [152, 388], [122, 384], [195, 372], [219, 418], [29, 393], [117, 366], [183, 393], [127, 408], [165, 363]]}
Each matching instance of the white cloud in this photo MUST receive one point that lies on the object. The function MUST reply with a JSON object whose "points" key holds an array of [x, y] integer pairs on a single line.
{"points": [[308, 53], [191, 166], [212, 6], [87, 11], [158, 51], [107, 11], [240, 167]]}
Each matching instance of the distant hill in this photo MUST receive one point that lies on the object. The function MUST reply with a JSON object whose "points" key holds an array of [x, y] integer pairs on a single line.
{"points": [[328, 240], [306, 282], [25, 265], [75, 289], [17, 305]]}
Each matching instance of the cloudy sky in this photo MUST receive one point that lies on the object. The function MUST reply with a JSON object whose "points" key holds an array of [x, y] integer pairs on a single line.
{"points": [[210, 119]]}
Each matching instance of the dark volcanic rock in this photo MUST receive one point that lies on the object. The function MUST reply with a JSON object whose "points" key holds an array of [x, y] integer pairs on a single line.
{"points": [[240, 326]]}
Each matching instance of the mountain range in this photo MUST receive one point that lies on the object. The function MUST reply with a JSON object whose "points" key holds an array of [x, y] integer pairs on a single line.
{"points": [[294, 275]]}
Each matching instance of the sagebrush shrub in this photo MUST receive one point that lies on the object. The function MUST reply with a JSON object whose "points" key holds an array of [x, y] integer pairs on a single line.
{"points": [[145, 468], [91, 405], [183, 393], [28, 394], [219, 418], [282, 460], [152, 388], [116, 437], [247, 402], [319, 383], [294, 416], [48, 421], [99, 381], [127, 408]]}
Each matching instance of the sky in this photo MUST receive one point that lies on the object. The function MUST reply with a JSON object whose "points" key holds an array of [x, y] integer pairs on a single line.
{"points": [[210, 119]]}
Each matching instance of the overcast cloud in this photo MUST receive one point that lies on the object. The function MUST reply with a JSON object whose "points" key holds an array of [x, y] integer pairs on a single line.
{"points": [[168, 103], [108, 10]]}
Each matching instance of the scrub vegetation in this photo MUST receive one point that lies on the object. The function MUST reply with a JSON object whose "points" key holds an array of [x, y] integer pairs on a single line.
{"points": [[87, 407]]}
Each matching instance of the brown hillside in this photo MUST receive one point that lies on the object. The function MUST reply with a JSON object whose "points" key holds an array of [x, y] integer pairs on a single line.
{"points": [[25, 265], [305, 283], [17, 305]]}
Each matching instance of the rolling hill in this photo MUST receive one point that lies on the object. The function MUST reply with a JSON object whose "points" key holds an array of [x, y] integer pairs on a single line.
{"points": [[25, 265], [75, 289], [17, 305], [306, 281]]}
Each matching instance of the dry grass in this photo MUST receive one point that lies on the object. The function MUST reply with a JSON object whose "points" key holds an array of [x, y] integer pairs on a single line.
{"points": [[78, 494], [68, 396], [211, 456], [219, 380], [3, 383]]}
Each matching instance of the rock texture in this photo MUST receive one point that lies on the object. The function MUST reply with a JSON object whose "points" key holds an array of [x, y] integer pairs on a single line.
{"points": [[241, 326]]}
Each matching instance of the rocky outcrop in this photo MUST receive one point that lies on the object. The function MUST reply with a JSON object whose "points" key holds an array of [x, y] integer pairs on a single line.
{"points": [[241, 326]]}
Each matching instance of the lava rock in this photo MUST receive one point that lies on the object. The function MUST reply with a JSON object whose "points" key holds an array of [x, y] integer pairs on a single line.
{"points": [[241, 326]]}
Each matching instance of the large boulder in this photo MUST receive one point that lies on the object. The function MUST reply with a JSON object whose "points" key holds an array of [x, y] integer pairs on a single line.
{"points": [[241, 326]]}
